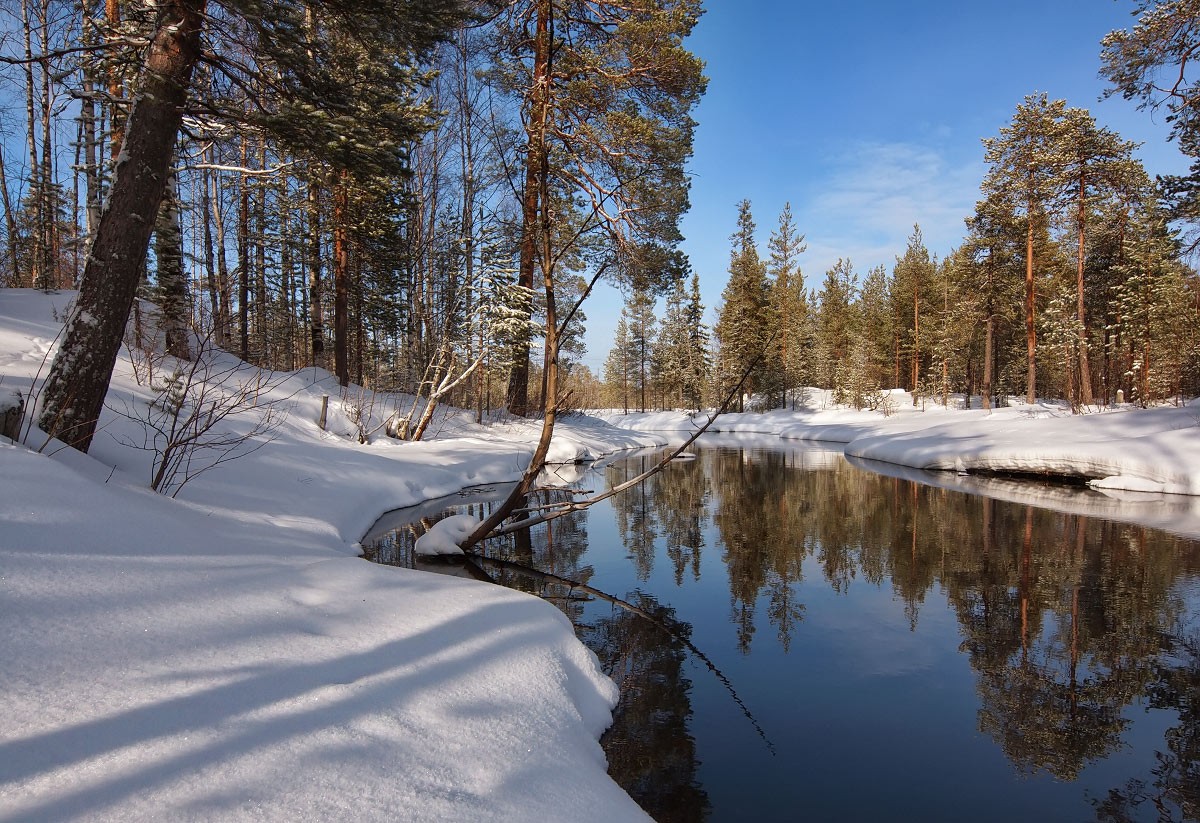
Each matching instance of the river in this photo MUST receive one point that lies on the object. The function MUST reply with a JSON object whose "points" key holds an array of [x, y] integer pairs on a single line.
{"points": [[870, 647]]}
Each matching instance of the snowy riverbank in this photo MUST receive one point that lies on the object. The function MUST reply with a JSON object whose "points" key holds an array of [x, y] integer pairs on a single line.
{"points": [[226, 655], [1144, 462]]}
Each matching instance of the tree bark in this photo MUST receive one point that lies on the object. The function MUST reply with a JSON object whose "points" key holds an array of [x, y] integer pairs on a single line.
{"points": [[518, 382], [78, 380], [172, 284]]}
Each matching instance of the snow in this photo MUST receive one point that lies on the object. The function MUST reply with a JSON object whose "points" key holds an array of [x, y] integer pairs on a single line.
{"points": [[1149, 454], [227, 655], [445, 535]]}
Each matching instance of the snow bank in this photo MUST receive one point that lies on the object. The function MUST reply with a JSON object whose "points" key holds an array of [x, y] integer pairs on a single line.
{"points": [[1128, 448], [226, 655]]}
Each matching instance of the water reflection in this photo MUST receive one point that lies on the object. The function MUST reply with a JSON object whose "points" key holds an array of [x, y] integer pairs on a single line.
{"points": [[1079, 637], [651, 753]]}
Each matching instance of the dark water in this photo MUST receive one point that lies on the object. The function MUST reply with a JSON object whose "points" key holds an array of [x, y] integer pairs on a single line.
{"points": [[887, 649]]}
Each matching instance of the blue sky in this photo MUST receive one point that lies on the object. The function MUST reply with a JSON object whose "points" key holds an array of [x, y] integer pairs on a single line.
{"points": [[867, 117]]}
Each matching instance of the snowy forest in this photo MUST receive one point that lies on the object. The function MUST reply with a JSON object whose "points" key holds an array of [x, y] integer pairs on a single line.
{"points": [[1071, 283], [412, 196]]}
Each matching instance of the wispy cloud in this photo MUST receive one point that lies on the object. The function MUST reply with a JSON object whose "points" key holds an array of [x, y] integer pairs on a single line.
{"points": [[863, 204]]}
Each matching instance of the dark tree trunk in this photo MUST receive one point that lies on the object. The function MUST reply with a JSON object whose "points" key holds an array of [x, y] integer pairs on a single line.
{"points": [[243, 267], [172, 285], [78, 381], [316, 309]]}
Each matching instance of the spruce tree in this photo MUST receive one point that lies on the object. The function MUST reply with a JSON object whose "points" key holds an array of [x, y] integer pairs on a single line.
{"points": [[911, 294], [837, 328], [745, 320], [788, 363]]}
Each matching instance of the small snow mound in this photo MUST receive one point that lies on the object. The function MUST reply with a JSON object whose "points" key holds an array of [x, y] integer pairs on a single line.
{"points": [[443, 537]]}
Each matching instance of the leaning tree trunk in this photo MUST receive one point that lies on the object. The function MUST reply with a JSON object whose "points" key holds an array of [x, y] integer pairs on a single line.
{"points": [[78, 381]]}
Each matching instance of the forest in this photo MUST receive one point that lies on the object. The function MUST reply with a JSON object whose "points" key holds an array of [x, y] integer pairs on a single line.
{"points": [[419, 197], [1072, 282]]}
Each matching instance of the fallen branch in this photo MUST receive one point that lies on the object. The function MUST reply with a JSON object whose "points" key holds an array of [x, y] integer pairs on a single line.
{"points": [[548, 577]]}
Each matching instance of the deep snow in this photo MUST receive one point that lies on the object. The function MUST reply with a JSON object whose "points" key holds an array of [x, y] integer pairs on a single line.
{"points": [[227, 655]]}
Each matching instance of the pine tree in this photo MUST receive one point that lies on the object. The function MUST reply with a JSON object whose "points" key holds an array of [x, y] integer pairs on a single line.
{"points": [[1149, 64], [643, 327], [1023, 176], [670, 359], [1094, 165], [745, 320], [605, 92], [699, 364], [1158, 317]]}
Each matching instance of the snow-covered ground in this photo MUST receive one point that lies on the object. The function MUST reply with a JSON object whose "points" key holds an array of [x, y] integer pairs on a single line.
{"points": [[1145, 461], [226, 654]]}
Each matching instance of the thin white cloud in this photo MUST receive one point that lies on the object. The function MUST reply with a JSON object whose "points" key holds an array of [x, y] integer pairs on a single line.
{"points": [[864, 205]]}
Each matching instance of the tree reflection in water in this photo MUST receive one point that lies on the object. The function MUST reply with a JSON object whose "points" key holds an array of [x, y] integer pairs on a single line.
{"points": [[1065, 621], [651, 753]]}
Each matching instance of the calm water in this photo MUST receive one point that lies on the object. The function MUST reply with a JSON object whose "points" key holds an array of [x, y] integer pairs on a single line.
{"points": [[887, 649]]}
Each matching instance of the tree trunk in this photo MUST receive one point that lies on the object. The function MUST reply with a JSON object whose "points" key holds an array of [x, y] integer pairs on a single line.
{"points": [[1085, 372], [262, 331], [989, 342], [112, 11], [1030, 327], [214, 290], [518, 383], [36, 274], [49, 242], [10, 226], [316, 310], [243, 262], [341, 275], [916, 361], [172, 286], [78, 380]]}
